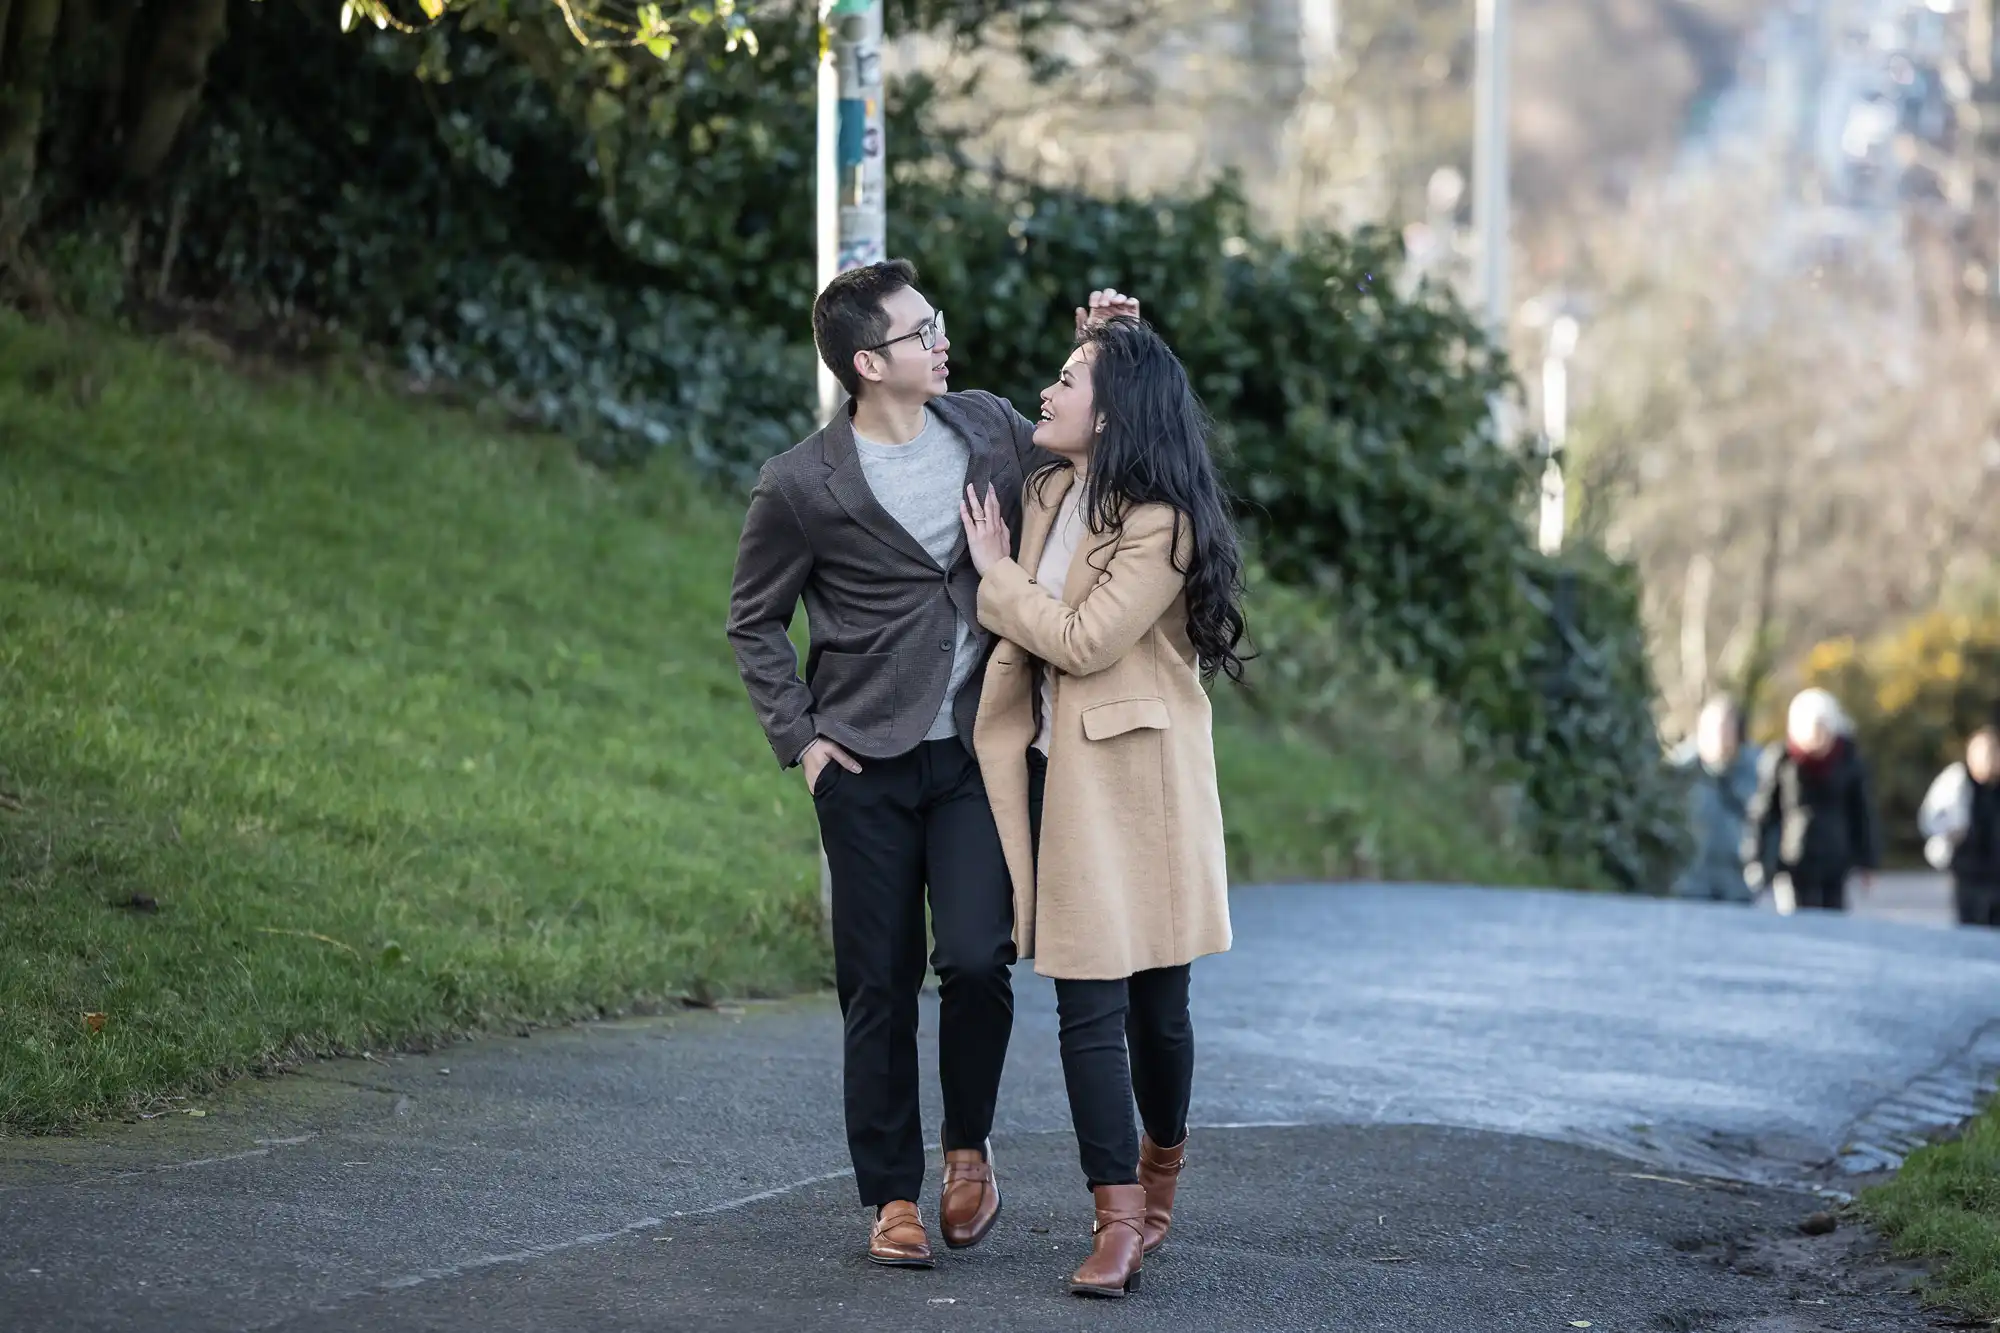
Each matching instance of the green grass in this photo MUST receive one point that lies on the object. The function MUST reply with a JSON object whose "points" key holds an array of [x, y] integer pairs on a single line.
{"points": [[1944, 1205], [412, 727]]}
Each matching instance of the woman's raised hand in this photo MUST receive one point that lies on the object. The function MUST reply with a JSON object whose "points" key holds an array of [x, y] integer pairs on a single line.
{"points": [[986, 534]]}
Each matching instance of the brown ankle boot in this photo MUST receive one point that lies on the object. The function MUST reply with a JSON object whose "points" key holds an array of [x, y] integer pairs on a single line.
{"points": [[1118, 1243], [1160, 1173]]}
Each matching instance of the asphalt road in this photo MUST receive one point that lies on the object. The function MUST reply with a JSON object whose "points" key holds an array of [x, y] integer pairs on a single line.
{"points": [[1420, 1108]]}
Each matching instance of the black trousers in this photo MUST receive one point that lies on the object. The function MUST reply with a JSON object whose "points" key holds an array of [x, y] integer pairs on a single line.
{"points": [[1977, 901], [1122, 1040], [1819, 892], [896, 827]]}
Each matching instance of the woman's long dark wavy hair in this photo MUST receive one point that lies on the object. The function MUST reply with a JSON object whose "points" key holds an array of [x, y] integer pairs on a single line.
{"points": [[1154, 450]]}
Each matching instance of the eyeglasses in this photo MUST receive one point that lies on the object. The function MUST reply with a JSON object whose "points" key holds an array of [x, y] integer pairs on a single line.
{"points": [[927, 334]]}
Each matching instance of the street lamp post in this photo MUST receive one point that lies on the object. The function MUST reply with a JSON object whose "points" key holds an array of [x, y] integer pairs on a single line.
{"points": [[852, 181], [1490, 200], [1555, 429], [853, 211]]}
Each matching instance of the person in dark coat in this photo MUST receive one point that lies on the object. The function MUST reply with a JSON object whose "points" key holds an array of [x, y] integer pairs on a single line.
{"points": [[1961, 820], [1811, 823]]}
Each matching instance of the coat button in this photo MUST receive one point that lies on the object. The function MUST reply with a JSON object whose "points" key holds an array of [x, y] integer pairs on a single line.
{"points": [[945, 644]]}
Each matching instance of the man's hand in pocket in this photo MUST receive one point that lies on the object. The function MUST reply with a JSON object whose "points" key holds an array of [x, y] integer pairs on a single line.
{"points": [[821, 753]]}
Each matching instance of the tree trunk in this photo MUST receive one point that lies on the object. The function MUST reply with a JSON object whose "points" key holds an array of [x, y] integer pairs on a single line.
{"points": [[1779, 536], [169, 84], [24, 79], [98, 48], [1695, 591], [6, 9]]}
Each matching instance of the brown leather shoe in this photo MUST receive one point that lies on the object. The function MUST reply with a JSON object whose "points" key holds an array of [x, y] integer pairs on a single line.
{"points": [[1160, 1173], [1118, 1243], [970, 1204], [898, 1239]]}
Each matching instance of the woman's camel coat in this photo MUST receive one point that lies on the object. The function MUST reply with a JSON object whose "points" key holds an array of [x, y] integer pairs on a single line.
{"points": [[1131, 873]]}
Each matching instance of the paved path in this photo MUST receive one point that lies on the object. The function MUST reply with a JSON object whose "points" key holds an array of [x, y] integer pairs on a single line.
{"points": [[1423, 1109], [1919, 899]]}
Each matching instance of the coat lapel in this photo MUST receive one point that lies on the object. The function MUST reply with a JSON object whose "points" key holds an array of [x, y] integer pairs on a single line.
{"points": [[1085, 566], [981, 460], [1039, 506], [850, 487]]}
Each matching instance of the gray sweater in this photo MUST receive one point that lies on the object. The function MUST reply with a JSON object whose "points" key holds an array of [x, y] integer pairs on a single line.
{"points": [[921, 484]]}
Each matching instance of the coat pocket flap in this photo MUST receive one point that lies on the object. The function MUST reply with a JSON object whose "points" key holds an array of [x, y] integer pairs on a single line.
{"points": [[1104, 721]]}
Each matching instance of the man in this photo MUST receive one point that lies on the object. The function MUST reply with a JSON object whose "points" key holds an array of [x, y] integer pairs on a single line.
{"points": [[861, 520], [1722, 773]]}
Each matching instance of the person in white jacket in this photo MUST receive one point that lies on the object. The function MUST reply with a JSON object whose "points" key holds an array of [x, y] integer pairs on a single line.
{"points": [[1960, 823]]}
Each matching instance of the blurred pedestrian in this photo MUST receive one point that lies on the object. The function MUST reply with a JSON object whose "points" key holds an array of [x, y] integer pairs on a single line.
{"points": [[1811, 823], [1722, 778], [1960, 821]]}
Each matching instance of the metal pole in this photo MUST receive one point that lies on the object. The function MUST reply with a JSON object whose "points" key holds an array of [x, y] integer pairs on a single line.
{"points": [[1490, 199], [1979, 40], [852, 180], [1555, 429], [827, 221], [853, 164]]}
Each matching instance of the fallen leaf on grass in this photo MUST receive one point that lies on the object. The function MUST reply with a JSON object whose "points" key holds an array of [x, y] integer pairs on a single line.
{"points": [[95, 1022], [9, 801], [138, 902], [308, 935]]}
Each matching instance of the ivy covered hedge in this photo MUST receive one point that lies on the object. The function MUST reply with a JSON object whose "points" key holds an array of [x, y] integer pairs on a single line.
{"points": [[620, 248]]}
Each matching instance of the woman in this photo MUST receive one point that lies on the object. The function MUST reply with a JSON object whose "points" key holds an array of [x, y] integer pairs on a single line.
{"points": [[1093, 736], [1812, 822]]}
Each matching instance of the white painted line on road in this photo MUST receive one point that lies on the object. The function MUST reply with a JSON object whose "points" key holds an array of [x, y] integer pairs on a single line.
{"points": [[727, 1206], [1244, 1124], [748, 1199], [517, 1256], [264, 1151], [597, 1238], [188, 1166]]}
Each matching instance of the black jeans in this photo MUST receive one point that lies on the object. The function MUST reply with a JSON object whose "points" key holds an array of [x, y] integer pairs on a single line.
{"points": [[1977, 901], [920, 819], [1819, 891], [1122, 1040]]}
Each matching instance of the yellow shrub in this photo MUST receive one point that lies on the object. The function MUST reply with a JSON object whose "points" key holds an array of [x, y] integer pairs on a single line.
{"points": [[1915, 694]]}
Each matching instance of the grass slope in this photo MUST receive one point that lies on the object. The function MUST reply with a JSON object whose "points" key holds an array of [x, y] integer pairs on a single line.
{"points": [[410, 727], [1944, 1205]]}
